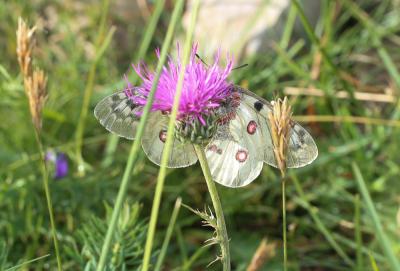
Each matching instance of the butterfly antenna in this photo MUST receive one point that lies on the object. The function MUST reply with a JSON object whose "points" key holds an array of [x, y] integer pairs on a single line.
{"points": [[201, 59], [241, 66]]}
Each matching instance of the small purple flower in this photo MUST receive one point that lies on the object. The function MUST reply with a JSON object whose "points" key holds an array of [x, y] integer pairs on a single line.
{"points": [[204, 87], [59, 162]]}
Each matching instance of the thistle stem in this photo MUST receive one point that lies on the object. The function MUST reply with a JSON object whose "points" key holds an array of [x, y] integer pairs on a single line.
{"points": [[45, 178], [284, 224], [221, 227]]}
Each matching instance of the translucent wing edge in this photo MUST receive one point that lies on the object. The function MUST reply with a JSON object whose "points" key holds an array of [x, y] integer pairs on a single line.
{"points": [[97, 109]]}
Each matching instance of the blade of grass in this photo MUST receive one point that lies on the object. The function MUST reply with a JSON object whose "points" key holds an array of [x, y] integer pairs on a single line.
{"points": [[380, 233], [377, 42], [113, 140], [133, 154], [314, 39], [168, 235], [313, 211], [27, 262], [357, 229], [100, 46], [169, 140], [373, 263], [287, 31], [352, 245], [188, 264], [183, 251], [376, 39], [278, 63]]}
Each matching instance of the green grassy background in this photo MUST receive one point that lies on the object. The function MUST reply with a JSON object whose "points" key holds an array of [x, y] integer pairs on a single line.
{"points": [[358, 40]]}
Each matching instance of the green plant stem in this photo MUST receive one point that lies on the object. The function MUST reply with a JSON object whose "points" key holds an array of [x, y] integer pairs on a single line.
{"points": [[168, 235], [80, 128], [45, 177], [283, 181], [133, 154], [169, 141], [212, 189], [393, 261]]}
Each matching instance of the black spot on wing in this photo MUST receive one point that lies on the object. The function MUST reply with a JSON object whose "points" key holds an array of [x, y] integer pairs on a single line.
{"points": [[131, 104], [258, 106]]}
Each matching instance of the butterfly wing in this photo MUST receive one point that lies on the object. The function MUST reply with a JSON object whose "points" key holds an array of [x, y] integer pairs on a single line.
{"points": [[302, 149], [233, 154], [117, 113], [153, 142]]}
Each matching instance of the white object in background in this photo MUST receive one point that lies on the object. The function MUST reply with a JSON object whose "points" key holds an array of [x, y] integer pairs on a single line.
{"points": [[242, 26]]}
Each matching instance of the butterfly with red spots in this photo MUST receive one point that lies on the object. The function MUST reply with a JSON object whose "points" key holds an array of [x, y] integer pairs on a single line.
{"points": [[236, 153]]}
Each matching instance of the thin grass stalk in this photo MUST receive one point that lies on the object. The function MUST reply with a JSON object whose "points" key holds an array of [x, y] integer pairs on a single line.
{"points": [[45, 177], [376, 39], [387, 60], [171, 225], [133, 154], [287, 31], [284, 227], [318, 222], [314, 39], [169, 140], [310, 33], [18, 266], [35, 82], [351, 244], [373, 263], [393, 261], [113, 139], [89, 89], [357, 230], [187, 266], [279, 122], [221, 227]]}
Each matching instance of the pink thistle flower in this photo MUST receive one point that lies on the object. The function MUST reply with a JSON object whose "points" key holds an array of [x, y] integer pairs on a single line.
{"points": [[204, 87]]}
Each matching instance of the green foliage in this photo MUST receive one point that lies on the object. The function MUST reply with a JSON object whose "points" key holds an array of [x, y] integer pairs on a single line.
{"points": [[127, 243], [320, 197]]}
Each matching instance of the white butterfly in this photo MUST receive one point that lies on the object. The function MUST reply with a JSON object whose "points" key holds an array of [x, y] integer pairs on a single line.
{"points": [[236, 152]]}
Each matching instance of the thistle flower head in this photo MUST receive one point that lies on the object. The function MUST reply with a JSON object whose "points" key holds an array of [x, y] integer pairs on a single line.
{"points": [[204, 87]]}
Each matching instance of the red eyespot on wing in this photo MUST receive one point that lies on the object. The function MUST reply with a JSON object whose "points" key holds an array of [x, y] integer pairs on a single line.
{"points": [[252, 127], [162, 136], [241, 156], [214, 148]]}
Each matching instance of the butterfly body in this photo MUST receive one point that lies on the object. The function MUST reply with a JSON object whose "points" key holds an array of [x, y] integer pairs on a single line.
{"points": [[237, 149]]}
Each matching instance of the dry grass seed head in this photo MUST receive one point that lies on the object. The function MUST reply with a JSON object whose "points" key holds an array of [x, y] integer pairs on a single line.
{"points": [[279, 119], [25, 44], [36, 91], [35, 80]]}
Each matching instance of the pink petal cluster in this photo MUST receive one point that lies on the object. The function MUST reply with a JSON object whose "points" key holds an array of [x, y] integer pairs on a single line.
{"points": [[204, 87]]}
